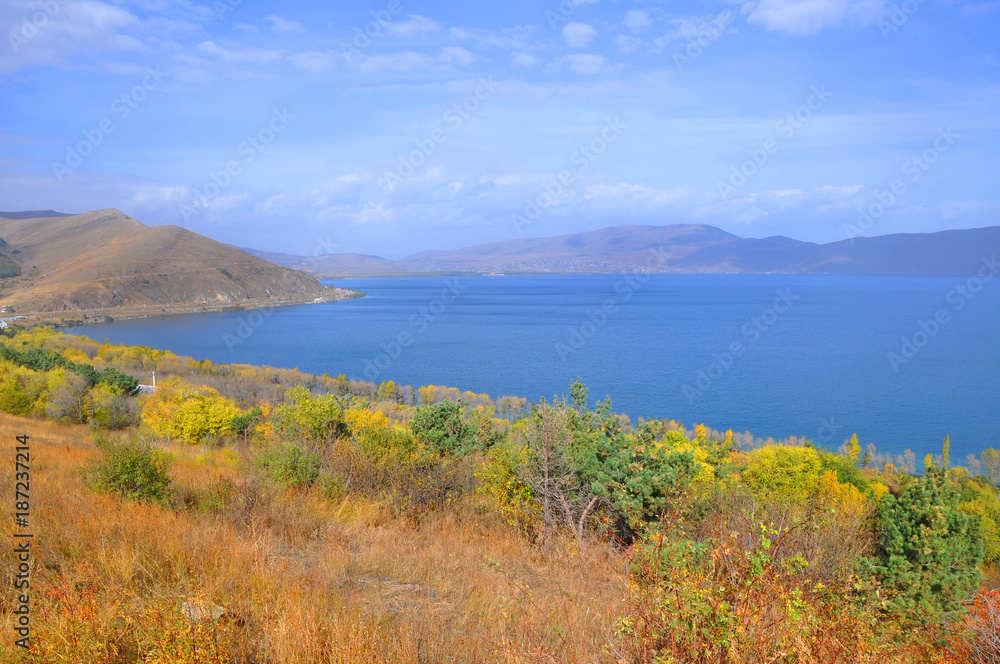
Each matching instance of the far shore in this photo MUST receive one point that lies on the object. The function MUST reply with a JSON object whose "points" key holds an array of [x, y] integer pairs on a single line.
{"points": [[80, 317]]}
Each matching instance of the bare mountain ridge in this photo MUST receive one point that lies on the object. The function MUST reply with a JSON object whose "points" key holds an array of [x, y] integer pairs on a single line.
{"points": [[105, 259], [683, 248]]}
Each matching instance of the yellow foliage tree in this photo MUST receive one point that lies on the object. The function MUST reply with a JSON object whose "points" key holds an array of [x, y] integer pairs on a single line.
{"points": [[188, 413], [700, 433], [783, 470], [853, 448], [361, 421]]}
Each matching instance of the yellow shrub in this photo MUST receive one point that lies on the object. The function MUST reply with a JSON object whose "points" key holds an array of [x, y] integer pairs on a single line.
{"points": [[361, 421], [501, 482], [188, 413], [783, 470]]}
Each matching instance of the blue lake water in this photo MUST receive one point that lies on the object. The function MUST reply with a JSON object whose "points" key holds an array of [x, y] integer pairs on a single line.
{"points": [[773, 354]]}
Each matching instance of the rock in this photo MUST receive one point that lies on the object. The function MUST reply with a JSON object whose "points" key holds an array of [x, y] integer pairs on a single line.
{"points": [[197, 610]]}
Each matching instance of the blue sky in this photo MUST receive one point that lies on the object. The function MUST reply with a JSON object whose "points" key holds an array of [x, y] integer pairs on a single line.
{"points": [[395, 126]]}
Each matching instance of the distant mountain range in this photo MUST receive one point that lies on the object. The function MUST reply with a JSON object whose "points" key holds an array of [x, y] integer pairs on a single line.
{"points": [[33, 214], [679, 248], [105, 259]]}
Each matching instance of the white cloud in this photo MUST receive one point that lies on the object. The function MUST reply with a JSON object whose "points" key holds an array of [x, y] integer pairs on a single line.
{"points": [[404, 61], [640, 201], [457, 55], [806, 17], [586, 64], [509, 39], [255, 56], [519, 59], [88, 27], [627, 43], [316, 62], [373, 213], [417, 26], [637, 20], [400, 61], [695, 28], [578, 35], [279, 24]]}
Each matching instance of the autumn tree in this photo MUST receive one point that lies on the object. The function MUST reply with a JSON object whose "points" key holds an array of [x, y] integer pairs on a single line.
{"points": [[66, 397], [552, 472], [309, 417], [991, 461], [177, 410], [112, 409]]}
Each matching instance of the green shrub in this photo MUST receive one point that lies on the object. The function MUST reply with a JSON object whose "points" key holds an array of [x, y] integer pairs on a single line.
{"points": [[442, 427], [309, 417], [847, 471], [928, 551], [332, 487], [291, 466], [131, 468], [244, 423]]}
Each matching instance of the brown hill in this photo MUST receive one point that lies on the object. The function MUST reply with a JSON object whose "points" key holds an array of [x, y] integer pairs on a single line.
{"points": [[105, 259]]}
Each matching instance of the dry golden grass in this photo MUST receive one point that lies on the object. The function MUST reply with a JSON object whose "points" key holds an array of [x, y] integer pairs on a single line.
{"points": [[302, 580]]}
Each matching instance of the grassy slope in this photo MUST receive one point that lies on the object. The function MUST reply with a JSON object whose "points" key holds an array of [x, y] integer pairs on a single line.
{"points": [[303, 580]]}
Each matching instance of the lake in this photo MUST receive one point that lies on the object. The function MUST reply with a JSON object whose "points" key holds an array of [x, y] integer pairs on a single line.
{"points": [[902, 361]]}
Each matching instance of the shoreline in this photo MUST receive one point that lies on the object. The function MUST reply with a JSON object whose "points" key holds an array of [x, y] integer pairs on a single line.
{"points": [[84, 317]]}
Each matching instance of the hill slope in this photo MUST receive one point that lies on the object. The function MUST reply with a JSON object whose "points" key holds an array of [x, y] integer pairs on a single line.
{"points": [[105, 259], [683, 248]]}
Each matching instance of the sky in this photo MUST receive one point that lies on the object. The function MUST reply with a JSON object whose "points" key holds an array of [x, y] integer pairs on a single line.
{"points": [[393, 126]]}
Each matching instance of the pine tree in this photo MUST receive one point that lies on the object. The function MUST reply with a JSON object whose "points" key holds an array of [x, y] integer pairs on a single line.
{"points": [[928, 551]]}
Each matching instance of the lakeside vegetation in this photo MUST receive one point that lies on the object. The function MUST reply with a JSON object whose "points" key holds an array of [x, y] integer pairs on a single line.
{"points": [[249, 514]]}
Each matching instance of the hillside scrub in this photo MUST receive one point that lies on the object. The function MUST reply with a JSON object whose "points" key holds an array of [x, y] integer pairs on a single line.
{"points": [[246, 514]]}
